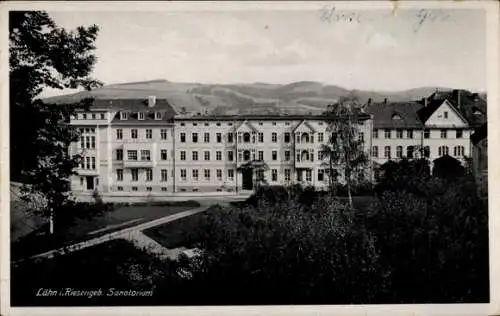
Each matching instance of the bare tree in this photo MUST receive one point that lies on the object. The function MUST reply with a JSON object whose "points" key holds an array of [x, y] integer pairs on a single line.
{"points": [[345, 147]]}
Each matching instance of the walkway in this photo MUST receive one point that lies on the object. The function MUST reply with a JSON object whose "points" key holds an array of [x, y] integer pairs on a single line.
{"points": [[127, 233]]}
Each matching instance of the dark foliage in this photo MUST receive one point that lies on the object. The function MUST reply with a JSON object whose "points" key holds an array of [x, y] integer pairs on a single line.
{"points": [[447, 167]]}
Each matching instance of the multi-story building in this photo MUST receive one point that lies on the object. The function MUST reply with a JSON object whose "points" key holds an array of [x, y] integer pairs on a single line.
{"points": [[136, 146], [433, 127]]}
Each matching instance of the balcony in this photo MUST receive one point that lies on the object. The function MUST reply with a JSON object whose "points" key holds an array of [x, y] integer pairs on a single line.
{"points": [[304, 164], [87, 172], [138, 164]]}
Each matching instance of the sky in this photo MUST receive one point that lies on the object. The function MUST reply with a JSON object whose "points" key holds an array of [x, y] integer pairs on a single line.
{"points": [[366, 49]]}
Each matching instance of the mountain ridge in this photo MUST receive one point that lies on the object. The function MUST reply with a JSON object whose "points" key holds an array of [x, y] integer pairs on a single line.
{"points": [[301, 97]]}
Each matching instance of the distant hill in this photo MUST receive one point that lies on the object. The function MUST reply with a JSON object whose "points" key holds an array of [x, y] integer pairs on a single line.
{"points": [[294, 98]]}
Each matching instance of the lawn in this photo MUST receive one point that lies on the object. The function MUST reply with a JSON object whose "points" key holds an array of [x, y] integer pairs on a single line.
{"points": [[114, 264], [177, 233], [121, 217]]}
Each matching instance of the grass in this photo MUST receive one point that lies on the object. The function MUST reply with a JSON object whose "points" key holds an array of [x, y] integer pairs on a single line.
{"points": [[121, 217], [177, 233], [114, 264]]}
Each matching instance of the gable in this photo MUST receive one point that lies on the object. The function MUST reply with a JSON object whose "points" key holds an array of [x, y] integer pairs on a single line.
{"points": [[304, 126], [246, 126], [445, 115]]}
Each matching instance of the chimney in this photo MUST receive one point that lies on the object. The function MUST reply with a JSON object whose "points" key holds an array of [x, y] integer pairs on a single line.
{"points": [[385, 101], [151, 101], [424, 101], [456, 98], [369, 101]]}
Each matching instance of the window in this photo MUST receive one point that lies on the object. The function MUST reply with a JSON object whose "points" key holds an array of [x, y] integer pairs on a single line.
{"points": [[183, 174], [427, 151], [93, 163], [445, 114], [274, 175], [163, 154], [158, 115], [92, 138], [361, 137], [82, 141], [230, 155], [274, 137], [164, 175], [219, 174], [119, 133], [409, 151], [399, 151], [206, 137], [246, 137], [183, 137], [443, 133], [246, 155], [135, 174], [163, 189], [287, 175], [287, 137], [230, 137], [145, 155], [119, 154], [103, 116], [460, 133], [375, 133], [163, 133], [387, 151], [230, 174], [219, 137], [206, 155], [409, 133], [399, 133], [261, 155], [387, 133], [132, 154], [287, 155], [206, 124], [88, 162], [427, 133], [321, 175], [149, 189], [149, 133], [134, 188], [123, 115], [321, 137], [149, 175], [134, 133], [206, 173], [308, 175], [183, 124], [261, 137], [141, 115], [194, 137], [195, 124], [87, 142], [458, 151], [195, 174], [375, 151], [119, 174], [443, 150], [218, 155], [275, 155], [183, 155], [119, 188]]}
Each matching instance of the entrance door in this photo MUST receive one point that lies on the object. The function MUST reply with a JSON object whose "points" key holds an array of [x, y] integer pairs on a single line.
{"points": [[90, 183], [247, 179]]}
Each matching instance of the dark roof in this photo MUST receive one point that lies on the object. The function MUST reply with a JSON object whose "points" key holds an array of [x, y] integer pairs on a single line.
{"points": [[383, 114], [469, 104], [263, 117], [133, 107], [479, 134]]}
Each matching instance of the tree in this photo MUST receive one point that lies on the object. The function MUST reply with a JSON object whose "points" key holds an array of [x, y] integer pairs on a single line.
{"points": [[344, 149], [447, 167], [44, 55]]}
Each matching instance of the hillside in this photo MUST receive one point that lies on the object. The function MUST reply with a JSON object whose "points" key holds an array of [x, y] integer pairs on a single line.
{"points": [[294, 98]]}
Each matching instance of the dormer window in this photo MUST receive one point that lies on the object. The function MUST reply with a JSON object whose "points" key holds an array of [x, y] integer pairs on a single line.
{"points": [[140, 115], [445, 115], [123, 115], [158, 115], [396, 116]]}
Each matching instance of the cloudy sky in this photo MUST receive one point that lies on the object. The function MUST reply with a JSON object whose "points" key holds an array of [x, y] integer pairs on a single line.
{"points": [[370, 49]]}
